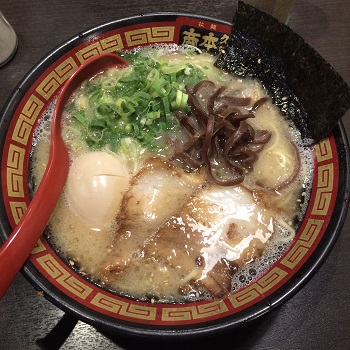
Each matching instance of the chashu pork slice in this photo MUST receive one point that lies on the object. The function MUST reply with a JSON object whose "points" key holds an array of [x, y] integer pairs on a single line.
{"points": [[158, 191], [216, 230]]}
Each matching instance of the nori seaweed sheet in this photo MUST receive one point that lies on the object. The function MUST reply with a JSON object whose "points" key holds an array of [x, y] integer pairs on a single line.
{"points": [[300, 82]]}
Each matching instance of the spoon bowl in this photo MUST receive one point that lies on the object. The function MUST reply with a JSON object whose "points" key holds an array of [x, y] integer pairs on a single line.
{"points": [[17, 248]]}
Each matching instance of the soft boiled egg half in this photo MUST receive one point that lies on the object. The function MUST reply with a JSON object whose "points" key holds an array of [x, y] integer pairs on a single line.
{"points": [[96, 184]]}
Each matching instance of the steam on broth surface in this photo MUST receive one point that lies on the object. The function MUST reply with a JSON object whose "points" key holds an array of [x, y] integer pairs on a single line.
{"points": [[179, 180]]}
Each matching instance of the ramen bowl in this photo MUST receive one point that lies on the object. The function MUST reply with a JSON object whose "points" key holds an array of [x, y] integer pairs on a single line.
{"points": [[66, 288]]}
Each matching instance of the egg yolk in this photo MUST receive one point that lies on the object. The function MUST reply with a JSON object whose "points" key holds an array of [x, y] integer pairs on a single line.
{"points": [[96, 184]]}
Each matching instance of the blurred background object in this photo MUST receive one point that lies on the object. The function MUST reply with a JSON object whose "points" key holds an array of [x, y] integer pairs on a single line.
{"points": [[8, 40], [279, 9]]}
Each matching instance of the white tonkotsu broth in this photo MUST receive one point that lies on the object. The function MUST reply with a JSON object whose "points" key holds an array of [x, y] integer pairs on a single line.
{"points": [[141, 193]]}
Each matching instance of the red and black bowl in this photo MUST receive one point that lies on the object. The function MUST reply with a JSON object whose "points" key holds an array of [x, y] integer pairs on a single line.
{"points": [[74, 294]]}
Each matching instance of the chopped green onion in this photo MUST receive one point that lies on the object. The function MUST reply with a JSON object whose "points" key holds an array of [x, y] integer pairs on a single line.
{"points": [[174, 68], [79, 115], [102, 110], [124, 107], [135, 103]]}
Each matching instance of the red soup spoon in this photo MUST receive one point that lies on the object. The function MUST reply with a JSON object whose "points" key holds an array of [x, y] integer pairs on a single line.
{"points": [[17, 248]]}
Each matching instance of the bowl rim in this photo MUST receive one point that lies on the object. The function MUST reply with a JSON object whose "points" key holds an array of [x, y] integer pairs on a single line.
{"points": [[290, 288]]}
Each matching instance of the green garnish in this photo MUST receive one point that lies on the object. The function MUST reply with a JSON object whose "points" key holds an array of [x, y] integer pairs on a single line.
{"points": [[136, 105]]}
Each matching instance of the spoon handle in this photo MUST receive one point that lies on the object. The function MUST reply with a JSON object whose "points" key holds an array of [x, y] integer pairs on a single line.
{"points": [[20, 243], [17, 248]]}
